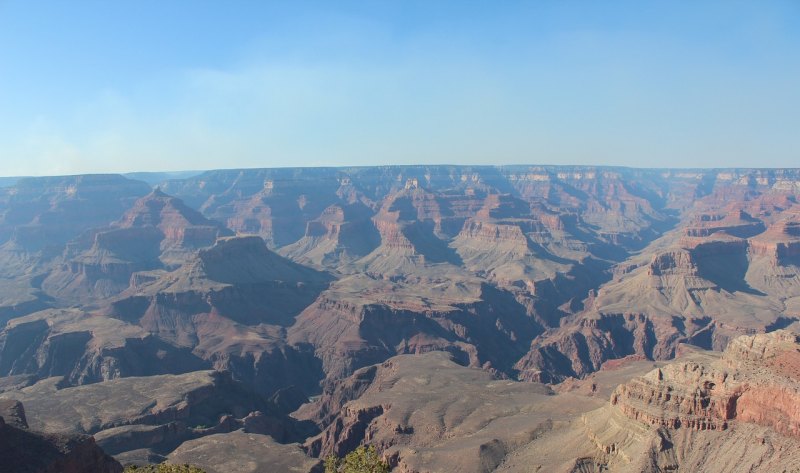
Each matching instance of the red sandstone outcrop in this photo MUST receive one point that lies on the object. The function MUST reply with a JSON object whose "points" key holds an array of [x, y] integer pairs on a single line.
{"points": [[182, 227], [780, 243]]}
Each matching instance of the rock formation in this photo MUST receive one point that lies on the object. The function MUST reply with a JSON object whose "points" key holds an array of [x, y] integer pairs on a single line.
{"points": [[158, 232], [578, 275], [705, 412], [23, 450], [141, 420], [757, 380]]}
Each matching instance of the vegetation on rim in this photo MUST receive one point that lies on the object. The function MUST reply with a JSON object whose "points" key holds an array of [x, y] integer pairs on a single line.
{"points": [[163, 468], [361, 460]]}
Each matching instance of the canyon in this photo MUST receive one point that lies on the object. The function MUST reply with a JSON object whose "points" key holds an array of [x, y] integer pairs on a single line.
{"points": [[459, 318]]}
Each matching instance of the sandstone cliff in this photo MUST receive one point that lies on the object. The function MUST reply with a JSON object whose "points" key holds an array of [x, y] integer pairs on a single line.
{"points": [[705, 412]]}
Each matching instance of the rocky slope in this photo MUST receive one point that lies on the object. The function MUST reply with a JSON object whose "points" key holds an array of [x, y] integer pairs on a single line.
{"points": [[84, 348], [706, 412], [23, 450], [141, 420], [229, 305], [254, 453], [534, 273], [757, 380], [158, 232], [719, 276], [38, 216], [225, 308]]}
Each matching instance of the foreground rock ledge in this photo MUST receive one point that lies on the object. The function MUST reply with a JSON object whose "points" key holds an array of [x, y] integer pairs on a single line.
{"points": [[25, 451]]}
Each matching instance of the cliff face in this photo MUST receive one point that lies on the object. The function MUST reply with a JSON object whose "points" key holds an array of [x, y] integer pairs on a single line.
{"points": [[158, 413], [534, 273], [342, 234], [43, 213], [705, 412], [157, 232], [780, 243], [26, 451], [737, 223], [361, 321], [726, 270], [757, 380], [229, 305]]}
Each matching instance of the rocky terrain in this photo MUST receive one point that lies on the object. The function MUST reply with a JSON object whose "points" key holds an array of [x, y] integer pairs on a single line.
{"points": [[734, 413], [142, 419], [275, 285], [25, 450]]}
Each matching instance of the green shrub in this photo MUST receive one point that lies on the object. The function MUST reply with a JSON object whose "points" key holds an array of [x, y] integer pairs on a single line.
{"points": [[361, 460], [163, 468]]}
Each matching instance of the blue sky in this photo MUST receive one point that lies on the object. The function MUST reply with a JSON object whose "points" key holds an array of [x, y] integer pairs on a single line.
{"points": [[136, 85]]}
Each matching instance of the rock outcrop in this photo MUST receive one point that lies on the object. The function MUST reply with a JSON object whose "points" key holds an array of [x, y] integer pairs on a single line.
{"points": [[535, 273], [342, 234], [144, 418], [757, 380], [426, 414], [23, 450], [254, 453], [157, 232]]}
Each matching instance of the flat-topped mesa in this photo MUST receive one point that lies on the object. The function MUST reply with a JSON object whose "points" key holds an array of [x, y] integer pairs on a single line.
{"points": [[719, 245], [736, 223], [328, 224], [757, 380], [43, 212], [780, 243], [130, 247], [341, 234], [677, 262], [688, 260], [503, 206], [489, 232], [234, 246], [334, 220], [247, 260], [757, 349]]}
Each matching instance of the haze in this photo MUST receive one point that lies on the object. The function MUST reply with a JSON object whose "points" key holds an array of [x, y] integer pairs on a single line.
{"points": [[144, 85]]}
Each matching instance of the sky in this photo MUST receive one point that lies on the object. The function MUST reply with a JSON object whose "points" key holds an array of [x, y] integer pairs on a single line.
{"points": [[153, 85]]}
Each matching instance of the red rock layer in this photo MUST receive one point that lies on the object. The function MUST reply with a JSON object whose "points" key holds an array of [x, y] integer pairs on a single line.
{"points": [[757, 380]]}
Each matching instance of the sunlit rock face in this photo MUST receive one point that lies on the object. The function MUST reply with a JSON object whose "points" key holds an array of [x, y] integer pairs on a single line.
{"points": [[294, 281]]}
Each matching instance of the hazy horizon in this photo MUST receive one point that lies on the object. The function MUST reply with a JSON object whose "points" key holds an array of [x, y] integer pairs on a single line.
{"points": [[186, 173], [94, 87]]}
